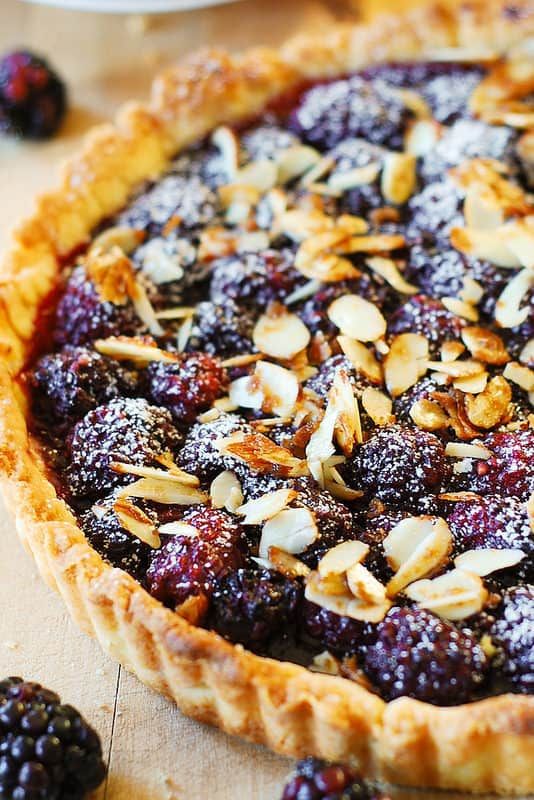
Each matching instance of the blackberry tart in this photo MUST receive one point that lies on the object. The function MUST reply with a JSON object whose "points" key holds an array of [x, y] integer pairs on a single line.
{"points": [[266, 380]]}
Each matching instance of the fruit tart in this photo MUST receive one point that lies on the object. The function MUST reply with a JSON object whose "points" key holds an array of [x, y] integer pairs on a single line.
{"points": [[266, 384]]}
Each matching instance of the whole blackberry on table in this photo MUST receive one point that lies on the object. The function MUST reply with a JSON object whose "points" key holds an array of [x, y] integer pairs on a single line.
{"points": [[315, 779], [68, 384], [513, 634], [33, 99], [419, 655], [47, 750], [127, 430], [250, 607]]}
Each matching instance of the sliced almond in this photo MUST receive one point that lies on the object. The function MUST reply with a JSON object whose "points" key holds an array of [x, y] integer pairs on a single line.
{"points": [[279, 388], [280, 335], [303, 292], [178, 528], [406, 362], [357, 318], [416, 547], [321, 444], [428, 416], [520, 375], [266, 506], [164, 491], [262, 454], [136, 522], [193, 609], [387, 269], [352, 178], [112, 273], [318, 171], [179, 312], [364, 586], [361, 358], [127, 239], [486, 245], [376, 243], [456, 595], [325, 663], [183, 334], [261, 175], [342, 492], [450, 351], [287, 564], [485, 345], [466, 450], [456, 369], [460, 308], [292, 530], [422, 136], [296, 160], [131, 348], [508, 311], [378, 405], [471, 292], [227, 143], [474, 384], [316, 258], [344, 603], [488, 408], [341, 399], [226, 492], [398, 177], [484, 562], [342, 557]]}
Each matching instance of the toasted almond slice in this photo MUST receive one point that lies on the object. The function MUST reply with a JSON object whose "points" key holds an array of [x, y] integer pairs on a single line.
{"points": [[508, 311], [280, 335], [526, 355], [287, 564], [428, 416], [520, 375], [127, 239], [485, 245], [485, 345], [253, 242], [342, 492], [136, 522], [467, 450], [325, 663], [164, 491], [226, 492], [315, 258], [291, 530], [376, 243], [456, 369], [361, 358], [183, 334], [178, 528], [352, 224], [179, 476], [387, 269], [131, 348], [460, 308], [456, 595], [193, 609], [378, 405], [357, 318], [323, 189], [422, 137], [341, 399], [352, 178], [261, 175], [296, 160], [488, 408], [398, 177], [415, 102], [344, 604], [484, 562], [318, 171], [321, 446], [279, 386], [471, 291], [262, 454], [364, 586], [450, 351], [342, 557], [416, 547], [144, 310], [266, 506], [224, 404], [209, 416], [303, 292], [180, 312], [246, 393], [227, 142], [405, 363], [474, 384]]}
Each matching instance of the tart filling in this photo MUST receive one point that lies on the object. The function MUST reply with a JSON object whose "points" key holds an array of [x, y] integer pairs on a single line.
{"points": [[290, 389]]}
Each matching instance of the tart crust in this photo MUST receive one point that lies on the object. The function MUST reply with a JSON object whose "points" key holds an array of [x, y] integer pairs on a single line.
{"points": [[483, 746]]}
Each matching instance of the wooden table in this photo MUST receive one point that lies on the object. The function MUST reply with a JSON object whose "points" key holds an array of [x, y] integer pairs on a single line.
{"points": [[152, 750]]}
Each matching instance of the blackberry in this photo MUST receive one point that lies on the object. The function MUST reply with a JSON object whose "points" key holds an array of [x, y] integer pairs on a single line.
{"points": [[430, 318], [224, 330], [400, 465], [251, 607], [352, 107], [420, 655], [315, 779], [199, 456], [189, 566], [513, 633], [68, 384], [333, 519], [82, 317], [494, 521], [33, 99], [509, 470], [186, 386], [434, 211], [341, 635], [265, 141], [322, 381], [114, 543], [127, 430], [47, 750], [254, 485], [254, 280], [448, 93], [421, 390]]}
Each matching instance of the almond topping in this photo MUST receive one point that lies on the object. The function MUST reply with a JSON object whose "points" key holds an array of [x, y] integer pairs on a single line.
{"points": [[361, 358], [405, 363], [387, 269], [343, 602], [112, 273], [422, 137], [164, 491], [131, 348], [178, 528], [262, 454], [450, 351], [279, 387], [352, 178], [325, 663], [136, 522], [526, 355], [474, 384], [261, 175], [266, 506], [486, 245], [378, 405], [364, 586], [508, 312], [342, 557], [456, 369], [172, 476], [378, 243], [227, 143], [280, 334], [484, 562], [428, 416], [357, 318], [295, 161], [398, 177], [456, 595], [466, 450], [415, 548], [225, 491], [322, 168], [180, 312], [461, 308], [471, 291], [485, 345], [317, 258], [193, 609], [287, 564], [341, 399], [127, 239], [489, 407], [292, 530], [520, 375]]}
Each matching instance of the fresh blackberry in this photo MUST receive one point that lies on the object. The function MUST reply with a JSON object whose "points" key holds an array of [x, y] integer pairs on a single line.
{"points": [[429, 317], [315, 779], [68, 384], [448, 93], [400, 465], [434, 211], [254, 280], [420, 655], [494, 521], [224, 330], [114, 543], [333, 519], [340, 635], [199, 456], [509, 470], [188, 566], [33, 99], [251, 607], [352, 107], [186, 386], [81, 316], [513, 633], [47, 750], [266, 141], [127, 430]]}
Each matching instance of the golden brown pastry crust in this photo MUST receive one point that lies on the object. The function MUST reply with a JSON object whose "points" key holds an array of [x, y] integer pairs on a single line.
{"points": [[484, 746]]}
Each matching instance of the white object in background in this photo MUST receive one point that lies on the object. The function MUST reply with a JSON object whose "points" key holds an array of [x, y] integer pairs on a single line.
{"points": [[131, 6]]}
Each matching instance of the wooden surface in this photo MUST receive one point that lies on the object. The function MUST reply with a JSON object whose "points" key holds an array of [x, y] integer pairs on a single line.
{"points": [[153, 751]]}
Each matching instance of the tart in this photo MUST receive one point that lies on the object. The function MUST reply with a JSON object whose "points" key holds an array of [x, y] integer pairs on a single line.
{"points": [[266, 374]]}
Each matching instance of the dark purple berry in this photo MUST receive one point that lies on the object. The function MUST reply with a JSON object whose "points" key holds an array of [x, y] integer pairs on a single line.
{"points": [[315, 779], [428, 317], [509, 470], [224, 330], [33, 99], [333, 519], [266, 141], [254, 280], [314, 311], [322, 381], [434, 211], [422, 390], [513, 633], [340, 635], [420, 655], [199, 456]]}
